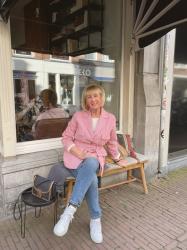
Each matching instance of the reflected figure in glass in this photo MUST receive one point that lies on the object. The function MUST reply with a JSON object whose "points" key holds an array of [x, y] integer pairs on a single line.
{"points": [[50, 107]]}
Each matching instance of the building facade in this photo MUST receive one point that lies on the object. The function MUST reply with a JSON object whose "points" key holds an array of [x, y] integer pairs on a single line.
{"points": [[133, 82]]}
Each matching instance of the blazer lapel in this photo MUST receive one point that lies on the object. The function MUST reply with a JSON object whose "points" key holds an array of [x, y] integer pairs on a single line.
{"points": [[88, 123], [101, 122]]}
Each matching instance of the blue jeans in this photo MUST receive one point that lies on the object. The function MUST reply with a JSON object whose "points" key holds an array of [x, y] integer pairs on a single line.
{"points": [[86, 185]]}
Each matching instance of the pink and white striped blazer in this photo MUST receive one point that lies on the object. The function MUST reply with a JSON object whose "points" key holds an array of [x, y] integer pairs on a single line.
{"points": [[80, 133]]}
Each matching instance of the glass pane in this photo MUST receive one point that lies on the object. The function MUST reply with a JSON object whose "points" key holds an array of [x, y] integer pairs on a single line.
{"points": [[52, 81], [178, 123], [25, 53], [85, 53]]}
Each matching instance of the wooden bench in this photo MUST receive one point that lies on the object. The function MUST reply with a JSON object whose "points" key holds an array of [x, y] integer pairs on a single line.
{"points": [[112, 169]]}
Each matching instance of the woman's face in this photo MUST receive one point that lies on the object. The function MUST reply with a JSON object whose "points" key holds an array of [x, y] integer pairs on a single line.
{"points": [[94, 99]]}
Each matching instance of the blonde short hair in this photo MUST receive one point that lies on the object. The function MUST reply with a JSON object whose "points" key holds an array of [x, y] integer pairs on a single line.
{"points": [[88, 88]]}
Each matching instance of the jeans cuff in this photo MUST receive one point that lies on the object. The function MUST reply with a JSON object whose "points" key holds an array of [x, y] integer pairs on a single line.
{"points": [[74, 203], [95, 217]]}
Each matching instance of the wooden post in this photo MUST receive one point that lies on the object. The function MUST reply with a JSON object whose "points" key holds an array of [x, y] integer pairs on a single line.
{"points": [[143, 178]]}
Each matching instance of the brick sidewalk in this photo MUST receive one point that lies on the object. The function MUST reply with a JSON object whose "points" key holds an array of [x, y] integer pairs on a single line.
{"points": [[131, 220]]}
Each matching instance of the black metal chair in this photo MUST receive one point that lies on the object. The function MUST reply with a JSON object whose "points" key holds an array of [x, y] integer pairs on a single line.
{"points": [[27, 199]]}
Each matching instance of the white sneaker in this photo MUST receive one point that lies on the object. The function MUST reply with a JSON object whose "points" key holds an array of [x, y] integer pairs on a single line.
{"points": [[61, 228], [96, 230]]}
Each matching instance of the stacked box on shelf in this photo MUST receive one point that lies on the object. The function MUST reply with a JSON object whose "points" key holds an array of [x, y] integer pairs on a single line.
{"points": [[72, 45], [80, 27]]}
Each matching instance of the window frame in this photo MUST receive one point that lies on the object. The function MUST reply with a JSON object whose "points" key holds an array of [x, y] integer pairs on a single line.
{"points": [[55, 143], [38, 145]]}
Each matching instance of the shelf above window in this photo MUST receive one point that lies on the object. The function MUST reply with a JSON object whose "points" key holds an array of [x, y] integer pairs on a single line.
{"points": [[55, 5], [76, 35], [85, 51], [79, 28], [80, 52], [91, 7]]}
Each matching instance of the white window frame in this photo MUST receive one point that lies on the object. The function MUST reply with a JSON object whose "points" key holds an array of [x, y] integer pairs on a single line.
{"points": [[49, 67], [38, 145]]}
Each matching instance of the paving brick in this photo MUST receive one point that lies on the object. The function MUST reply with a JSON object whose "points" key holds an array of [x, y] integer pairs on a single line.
{"points": [[182, 237], [172, 245], [3, 243], [131, 221], [10, 242], [182, 246]]}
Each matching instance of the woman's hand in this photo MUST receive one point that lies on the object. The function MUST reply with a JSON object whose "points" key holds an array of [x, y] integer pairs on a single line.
{"points": [[77, 152], [121, 162], [80, 154], [88, 155], [84, 155]]}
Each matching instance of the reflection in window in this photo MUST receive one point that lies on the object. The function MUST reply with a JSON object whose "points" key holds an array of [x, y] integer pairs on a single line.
{"points": [[67, 80], [91, 56], [178, 119], [59, 58], [23, 53], [67, 83], [26, 111], [52, 82]]}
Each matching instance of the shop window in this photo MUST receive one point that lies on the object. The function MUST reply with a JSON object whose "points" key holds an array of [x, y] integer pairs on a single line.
{"points": [[178, 119], [68, 94], [59, 58], [52, 81], [23, 53], [67, 80], [105, 58], [26, 108], [91, 56]]}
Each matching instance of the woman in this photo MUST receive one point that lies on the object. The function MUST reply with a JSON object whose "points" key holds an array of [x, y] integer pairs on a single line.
{"points": [[51, 110], [84, 155], [49, 99]]}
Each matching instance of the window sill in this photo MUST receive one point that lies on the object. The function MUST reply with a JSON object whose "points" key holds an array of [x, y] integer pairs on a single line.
{"points": [[38, 145]]}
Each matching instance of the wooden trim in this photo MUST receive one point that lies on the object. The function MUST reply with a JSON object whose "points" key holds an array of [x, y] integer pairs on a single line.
{"points": [[118, 184]]}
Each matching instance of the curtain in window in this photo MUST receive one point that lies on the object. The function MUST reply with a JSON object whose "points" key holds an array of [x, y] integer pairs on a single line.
{"points": [[154, 18]]}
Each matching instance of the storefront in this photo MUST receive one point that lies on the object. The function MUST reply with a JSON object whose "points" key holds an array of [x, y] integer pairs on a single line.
{"points": [[173, 145], [24, 75], [66, 58]]}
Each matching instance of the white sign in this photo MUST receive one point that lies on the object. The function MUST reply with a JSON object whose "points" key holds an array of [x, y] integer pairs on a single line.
{"points": [[83, 71]]}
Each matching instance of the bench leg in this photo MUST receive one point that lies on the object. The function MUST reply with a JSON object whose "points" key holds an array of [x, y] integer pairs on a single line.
{"points": [[55, 211], [69, 191], [129, 174], [143, 178]]}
